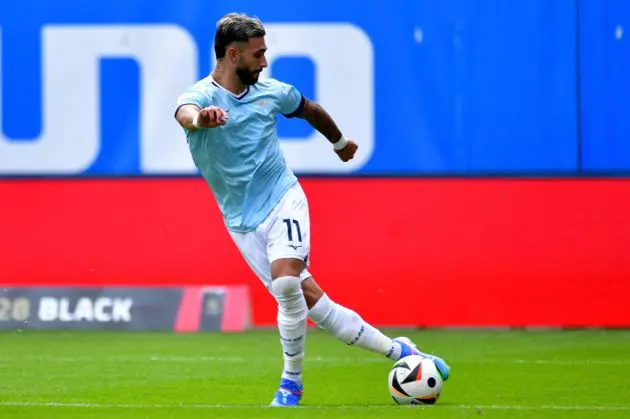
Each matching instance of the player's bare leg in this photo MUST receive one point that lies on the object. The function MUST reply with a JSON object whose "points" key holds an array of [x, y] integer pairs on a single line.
{"points": [[347, 326], [292, 313]]}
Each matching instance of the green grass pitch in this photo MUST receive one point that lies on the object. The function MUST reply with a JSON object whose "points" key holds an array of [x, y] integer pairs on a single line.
{"points": [[495, 374]]}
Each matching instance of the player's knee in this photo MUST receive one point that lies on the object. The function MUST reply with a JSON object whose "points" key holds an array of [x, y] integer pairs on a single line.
{"points": [[286, 286]]}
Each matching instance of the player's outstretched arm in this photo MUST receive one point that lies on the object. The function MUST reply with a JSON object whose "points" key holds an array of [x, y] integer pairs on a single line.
{"points": [[319, 119], [192, 118]]}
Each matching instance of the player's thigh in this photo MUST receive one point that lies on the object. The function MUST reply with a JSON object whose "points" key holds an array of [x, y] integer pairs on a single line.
{"points": [[253, 248], [289, 236]]}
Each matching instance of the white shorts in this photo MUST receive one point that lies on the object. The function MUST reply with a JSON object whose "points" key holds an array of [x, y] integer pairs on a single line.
{"points": [[285, 233]]}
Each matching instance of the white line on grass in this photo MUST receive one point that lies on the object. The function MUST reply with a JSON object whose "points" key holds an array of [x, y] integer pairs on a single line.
{"points": [[246, 406], [254, 359], [380, 360]]}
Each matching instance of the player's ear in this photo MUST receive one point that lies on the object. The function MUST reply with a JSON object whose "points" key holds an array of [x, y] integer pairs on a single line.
{"points": [[232, 54]]}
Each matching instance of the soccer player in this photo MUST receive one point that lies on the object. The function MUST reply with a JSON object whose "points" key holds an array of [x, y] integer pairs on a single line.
{"points": [[229, 122]]}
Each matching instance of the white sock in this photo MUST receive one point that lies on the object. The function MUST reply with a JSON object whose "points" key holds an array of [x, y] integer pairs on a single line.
{"points": [[349, 327], [292, 311]]}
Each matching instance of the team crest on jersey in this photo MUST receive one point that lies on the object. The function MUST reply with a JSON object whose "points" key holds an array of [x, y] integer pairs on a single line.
{"points": [[262, 102]]}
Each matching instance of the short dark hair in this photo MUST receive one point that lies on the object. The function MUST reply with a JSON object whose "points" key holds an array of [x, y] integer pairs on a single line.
{"points": [[235, 27]]}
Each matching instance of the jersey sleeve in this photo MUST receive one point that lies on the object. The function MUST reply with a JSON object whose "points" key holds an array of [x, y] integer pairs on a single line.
{"points": [[291, 100], [192, 96]]}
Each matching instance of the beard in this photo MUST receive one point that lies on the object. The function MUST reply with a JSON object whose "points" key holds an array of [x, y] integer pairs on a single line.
{"points": [[247, 76]]}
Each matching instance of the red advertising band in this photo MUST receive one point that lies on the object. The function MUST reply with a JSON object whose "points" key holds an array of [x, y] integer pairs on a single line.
{"points": [[466, 252]]}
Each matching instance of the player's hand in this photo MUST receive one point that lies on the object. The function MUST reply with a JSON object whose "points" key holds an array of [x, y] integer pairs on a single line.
{"points": [[211, 117], [348, 152]]}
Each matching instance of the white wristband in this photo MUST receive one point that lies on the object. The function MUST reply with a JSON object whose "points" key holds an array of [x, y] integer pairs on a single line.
{"points": [[341, 143], [195, 120]]}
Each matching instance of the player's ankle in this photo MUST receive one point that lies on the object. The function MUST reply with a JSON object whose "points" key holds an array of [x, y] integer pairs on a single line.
{"points": [[395, 352], [292, 376]]}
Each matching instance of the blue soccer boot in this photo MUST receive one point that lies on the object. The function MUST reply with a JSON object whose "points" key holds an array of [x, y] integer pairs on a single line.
{"points": [[288, 395], [407, 347]]}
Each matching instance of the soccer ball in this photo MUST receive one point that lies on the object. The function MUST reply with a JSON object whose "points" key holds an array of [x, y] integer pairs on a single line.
{"points": [[415, 379]]}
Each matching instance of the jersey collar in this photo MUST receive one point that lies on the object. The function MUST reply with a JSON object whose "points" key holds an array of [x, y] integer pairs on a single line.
{"points": [[235, 96]]}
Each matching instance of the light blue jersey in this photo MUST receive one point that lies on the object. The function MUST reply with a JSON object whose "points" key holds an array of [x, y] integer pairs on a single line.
{"points": [[241, 161]]}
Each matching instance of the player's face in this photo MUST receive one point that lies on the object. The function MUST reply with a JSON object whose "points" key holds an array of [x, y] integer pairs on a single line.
{"points": [[251, 61]]}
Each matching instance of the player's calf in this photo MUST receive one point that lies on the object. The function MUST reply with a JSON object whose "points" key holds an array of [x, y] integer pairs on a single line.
{"points": [[347, 326]]}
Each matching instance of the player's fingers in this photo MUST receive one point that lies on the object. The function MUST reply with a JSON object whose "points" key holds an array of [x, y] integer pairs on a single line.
{"points": [[221, 116], [208, 116], [216, 115], [344, 155], [202, 118]]}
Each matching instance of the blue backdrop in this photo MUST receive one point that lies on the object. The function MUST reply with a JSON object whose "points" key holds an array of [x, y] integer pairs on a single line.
{"points": [[605, 85], [457, 86]]}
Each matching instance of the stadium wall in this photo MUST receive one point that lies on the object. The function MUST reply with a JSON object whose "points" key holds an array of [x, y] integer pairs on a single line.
{"points": [[490, 91], [421, 252]]}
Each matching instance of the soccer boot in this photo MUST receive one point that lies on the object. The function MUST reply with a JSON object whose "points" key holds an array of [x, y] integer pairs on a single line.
{"points": [[407, 347], [288, 395]]}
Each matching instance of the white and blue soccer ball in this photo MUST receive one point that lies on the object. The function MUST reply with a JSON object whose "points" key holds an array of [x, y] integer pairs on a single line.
{"points": [[415, 379]]}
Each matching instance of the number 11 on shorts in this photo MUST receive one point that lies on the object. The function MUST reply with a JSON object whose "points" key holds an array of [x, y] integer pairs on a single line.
{"points": [[290, 227]]}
